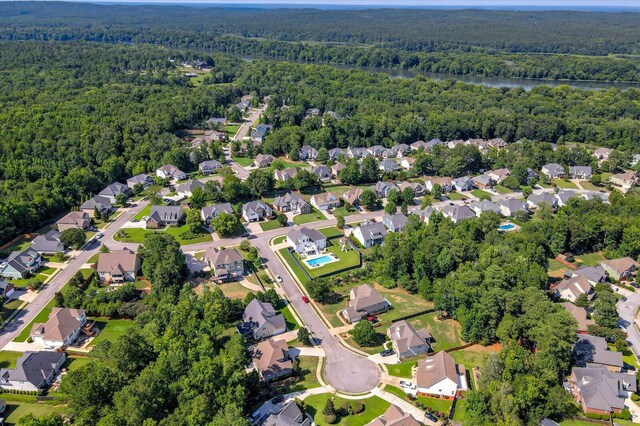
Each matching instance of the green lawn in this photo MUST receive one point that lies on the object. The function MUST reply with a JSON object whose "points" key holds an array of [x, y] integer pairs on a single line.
{"points": [[16, 410], [269, 225], [577, 422], [73, 363], [461, 410], [473, 356], [331, 232], [144, 212], [243, 161], [342, 211], [585, 184], [231, 129], [110, 329], [94, 258], [9, 308], [627, 358], [502, 189], [561, 183], [8, 359], [295, 267], [42, 274], [279, 240], [234, 290], [136, 235], [453, 196], [554, 265], [445, 333], [481, 194], [404, 369], [439, 404], [292, 324], [590, 259], [43, 316], [381, 339], [309, 217], [348, 259], [305, 377], [86, 273], [373, 407]]}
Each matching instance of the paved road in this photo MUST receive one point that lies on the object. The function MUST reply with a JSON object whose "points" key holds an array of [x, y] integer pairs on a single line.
{"points": [[246, 126], [26, 315], [627, 311]]}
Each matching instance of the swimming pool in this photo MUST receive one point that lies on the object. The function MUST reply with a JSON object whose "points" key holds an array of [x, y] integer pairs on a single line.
{"points": [[319, 261], [506, 227]]}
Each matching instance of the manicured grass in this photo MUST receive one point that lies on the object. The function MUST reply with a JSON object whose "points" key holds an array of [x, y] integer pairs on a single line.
{"points": [[455, 196], [473, 356], [279, 240], [585, 184], [94, 258], [292, 324], [396, 391], [41, 317], [243, 161], [481, 194], [439, 404], [8, 359], [373, 407], [502, 189], [306, 218], [295, 267], [269, 225], [304, 378], [136, 235], [404, 369], [590, 259], [342, 211], [111, 329], [331, 232], [16, 410], [371, 350], [231, 129], [577, 422], [86, 272], [461, 411], [445, 333], [42, 274], [628, 357], [74, 363], [561, 183], [348, 259], [144, 212], [234, 290], [338, 189], [9, 308]]}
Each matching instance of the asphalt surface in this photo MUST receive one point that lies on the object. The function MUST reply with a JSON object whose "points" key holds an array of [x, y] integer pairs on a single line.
{"points": [[627, 310]]}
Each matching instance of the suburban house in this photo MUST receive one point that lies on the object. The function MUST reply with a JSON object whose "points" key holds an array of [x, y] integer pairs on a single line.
{"points": [[602, 154], [536, 200], [323, 173], [161, 216], [497, 143], [458, 213], [263, 160], [395, 222], [407, 163], [590, 349], [48, 243], [439, 375], [423, 214], [599, 390], [580, 172], [394, 416], [452, 144], [115, 189], [498, 175], [74, 220], [383, 188], [289, 415], [19, 264], [418, 188], [334, 153], [217, 121], [260, 321], [463, 184], [6, 288], [564, 196], [364, 301], [595, 195], [553, 170], [170, 172], [260, 133], [98, 202], [325, 201], [207, 213], [388, 165], [401, 149], [352, 196], [512, 206], [253, 211], [61, 329], [570, 288], [446, 183], [34, 371], [419, 146], [376, 150], [209, 167], [226, 264], [622, 268], [285, 174], [271, 360], [480, 207], [483, 181], [308, 152], [357, 152], [407, 341], [291, 202], [186, 189], [626, 180], [142, 179], [580, 315], [337, 168], [306, 241], [594, 274], [118, 266], [370, 233]]}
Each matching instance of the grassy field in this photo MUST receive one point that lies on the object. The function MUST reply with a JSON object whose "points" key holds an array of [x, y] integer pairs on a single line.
{"points": [[111, 329], [41, 317], [8, 359], [403, 369], [231, 129], [136, 235], [502, 189], [309, 217], [269, 225], [455, 196], [590, 259], [342, 211], [234, 290], [473, 356], [554, 265], [16, 410], [348, 259], [331, 232], [481, 194], [373, 407], [279, 240], [561, 183], [9, 308], [243, 161], [381, 339], [445, 333]]}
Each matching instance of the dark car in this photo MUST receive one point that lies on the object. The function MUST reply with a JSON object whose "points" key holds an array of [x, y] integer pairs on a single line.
{"points": [[305, 299], [431, 417], [387, 352], [251, 237], [277, 399]]}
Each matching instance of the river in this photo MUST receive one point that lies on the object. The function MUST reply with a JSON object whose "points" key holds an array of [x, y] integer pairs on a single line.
{"points": [[526, 84]]}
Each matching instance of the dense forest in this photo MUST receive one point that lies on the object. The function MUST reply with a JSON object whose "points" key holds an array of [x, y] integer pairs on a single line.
{"points": [[76, 116], [468, 42]]}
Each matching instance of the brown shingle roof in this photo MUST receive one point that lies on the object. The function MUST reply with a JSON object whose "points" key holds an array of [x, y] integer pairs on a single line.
{"points": [[117, 261], [436, 368]]}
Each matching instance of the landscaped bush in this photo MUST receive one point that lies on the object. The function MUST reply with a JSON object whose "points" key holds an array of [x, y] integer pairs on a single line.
{"points": [[357, 407], [593, 416], [330, 419]]}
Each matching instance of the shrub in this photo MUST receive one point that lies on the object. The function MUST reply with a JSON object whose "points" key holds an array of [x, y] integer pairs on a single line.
{"points": [[357, 407], [593, 416], [605, 417], [635, 397], [331, 419], [344, 407]]}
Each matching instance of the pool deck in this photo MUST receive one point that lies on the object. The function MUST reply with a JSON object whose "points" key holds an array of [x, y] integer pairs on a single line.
{"points": [[331, 256]]}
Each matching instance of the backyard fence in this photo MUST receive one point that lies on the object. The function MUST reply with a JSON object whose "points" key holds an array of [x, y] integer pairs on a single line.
{"points": [[415, 314]]}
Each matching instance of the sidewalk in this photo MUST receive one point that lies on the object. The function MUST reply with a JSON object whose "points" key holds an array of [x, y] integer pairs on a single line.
{"points": [[406, 407]]}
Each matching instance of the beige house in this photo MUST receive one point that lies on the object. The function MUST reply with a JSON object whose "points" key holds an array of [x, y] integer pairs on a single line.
{"points": [[78, 219], [622, 268], [325, 201], [407, 341], [439, 375], [626, 180], [271, 360], [394, 416], [61, 329], [570, 288], [364, 301], [226, 264], [579, 314], [118, 266]]}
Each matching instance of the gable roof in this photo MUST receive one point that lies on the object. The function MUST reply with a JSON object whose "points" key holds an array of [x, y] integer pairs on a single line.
{"points": [[209, 164], [365, 296], [621, 264], [372, 230], [189, 186], [594, 274], [394, 416], [599, 387], [261, 312], [117, 261], [579, 314], [575, 285], [594, 350], [61, 323], [216, 209], [48, 242], [301, 234], [98, 201], [224, 256], [289, 415], [269, 356], [114, 189], [141, 178], [406, 336], [436, 368], [166, 213], [352, 196], [287, 199], [74, 218], [170, 170], [543, 197], [398, 220], [285, 174], [21, 260], [325, 197], [33, 367]]}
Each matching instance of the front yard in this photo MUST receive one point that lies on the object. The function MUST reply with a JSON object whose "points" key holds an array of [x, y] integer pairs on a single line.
{"points": [[565, 184], [304, 377], [43, 316], [309, 217], [243, 161], [10, 307], [479, 193], [41, 274], [269, 225], [373, 407], [181, 234]]}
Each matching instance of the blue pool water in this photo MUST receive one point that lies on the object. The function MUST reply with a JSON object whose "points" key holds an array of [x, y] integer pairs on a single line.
{"points": [[506, 227], [319, 261]]}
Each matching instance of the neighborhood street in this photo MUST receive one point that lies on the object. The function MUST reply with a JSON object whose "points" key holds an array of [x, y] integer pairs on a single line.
{"points": [[627, 310]]}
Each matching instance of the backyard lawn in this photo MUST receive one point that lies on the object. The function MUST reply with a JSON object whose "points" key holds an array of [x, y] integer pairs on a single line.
{"points": [[73, 362], [309, 217], [439, 404], [473, 356], [269, 225], [481, 194], [564, 184], [373, 407], [295, 267], [243, 161], [16, 410], [231, 129], [348, 259], [136, 235], [43, 316], [454, 196], [110, 329], [234, 290], [10, 307], [554, 265], [590, 259], [445, 333], [331, 232], [8, 359]]}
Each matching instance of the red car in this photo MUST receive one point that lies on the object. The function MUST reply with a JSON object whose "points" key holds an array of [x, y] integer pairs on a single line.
{"points": [[305, 299]]}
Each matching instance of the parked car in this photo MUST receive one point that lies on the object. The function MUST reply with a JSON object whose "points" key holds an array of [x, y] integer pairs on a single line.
{"points": [[387, 352], [278, 278], [251, 237], [99, 235], [431, 417], [305, 299], [407, 385], [277, 399], [134, 220]]}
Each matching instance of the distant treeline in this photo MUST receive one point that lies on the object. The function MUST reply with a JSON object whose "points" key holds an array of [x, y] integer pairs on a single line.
{"points": [[467, 42]]}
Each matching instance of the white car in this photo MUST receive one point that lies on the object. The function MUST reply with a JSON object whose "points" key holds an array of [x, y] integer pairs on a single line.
{"points": [[407, 385], [279, 278], [99, 235]]}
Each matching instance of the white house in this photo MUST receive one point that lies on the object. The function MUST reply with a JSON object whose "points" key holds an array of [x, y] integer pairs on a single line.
{"points": [[170, 172], [306, 241], [61, 329], [370, 233], [439, 375]]}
